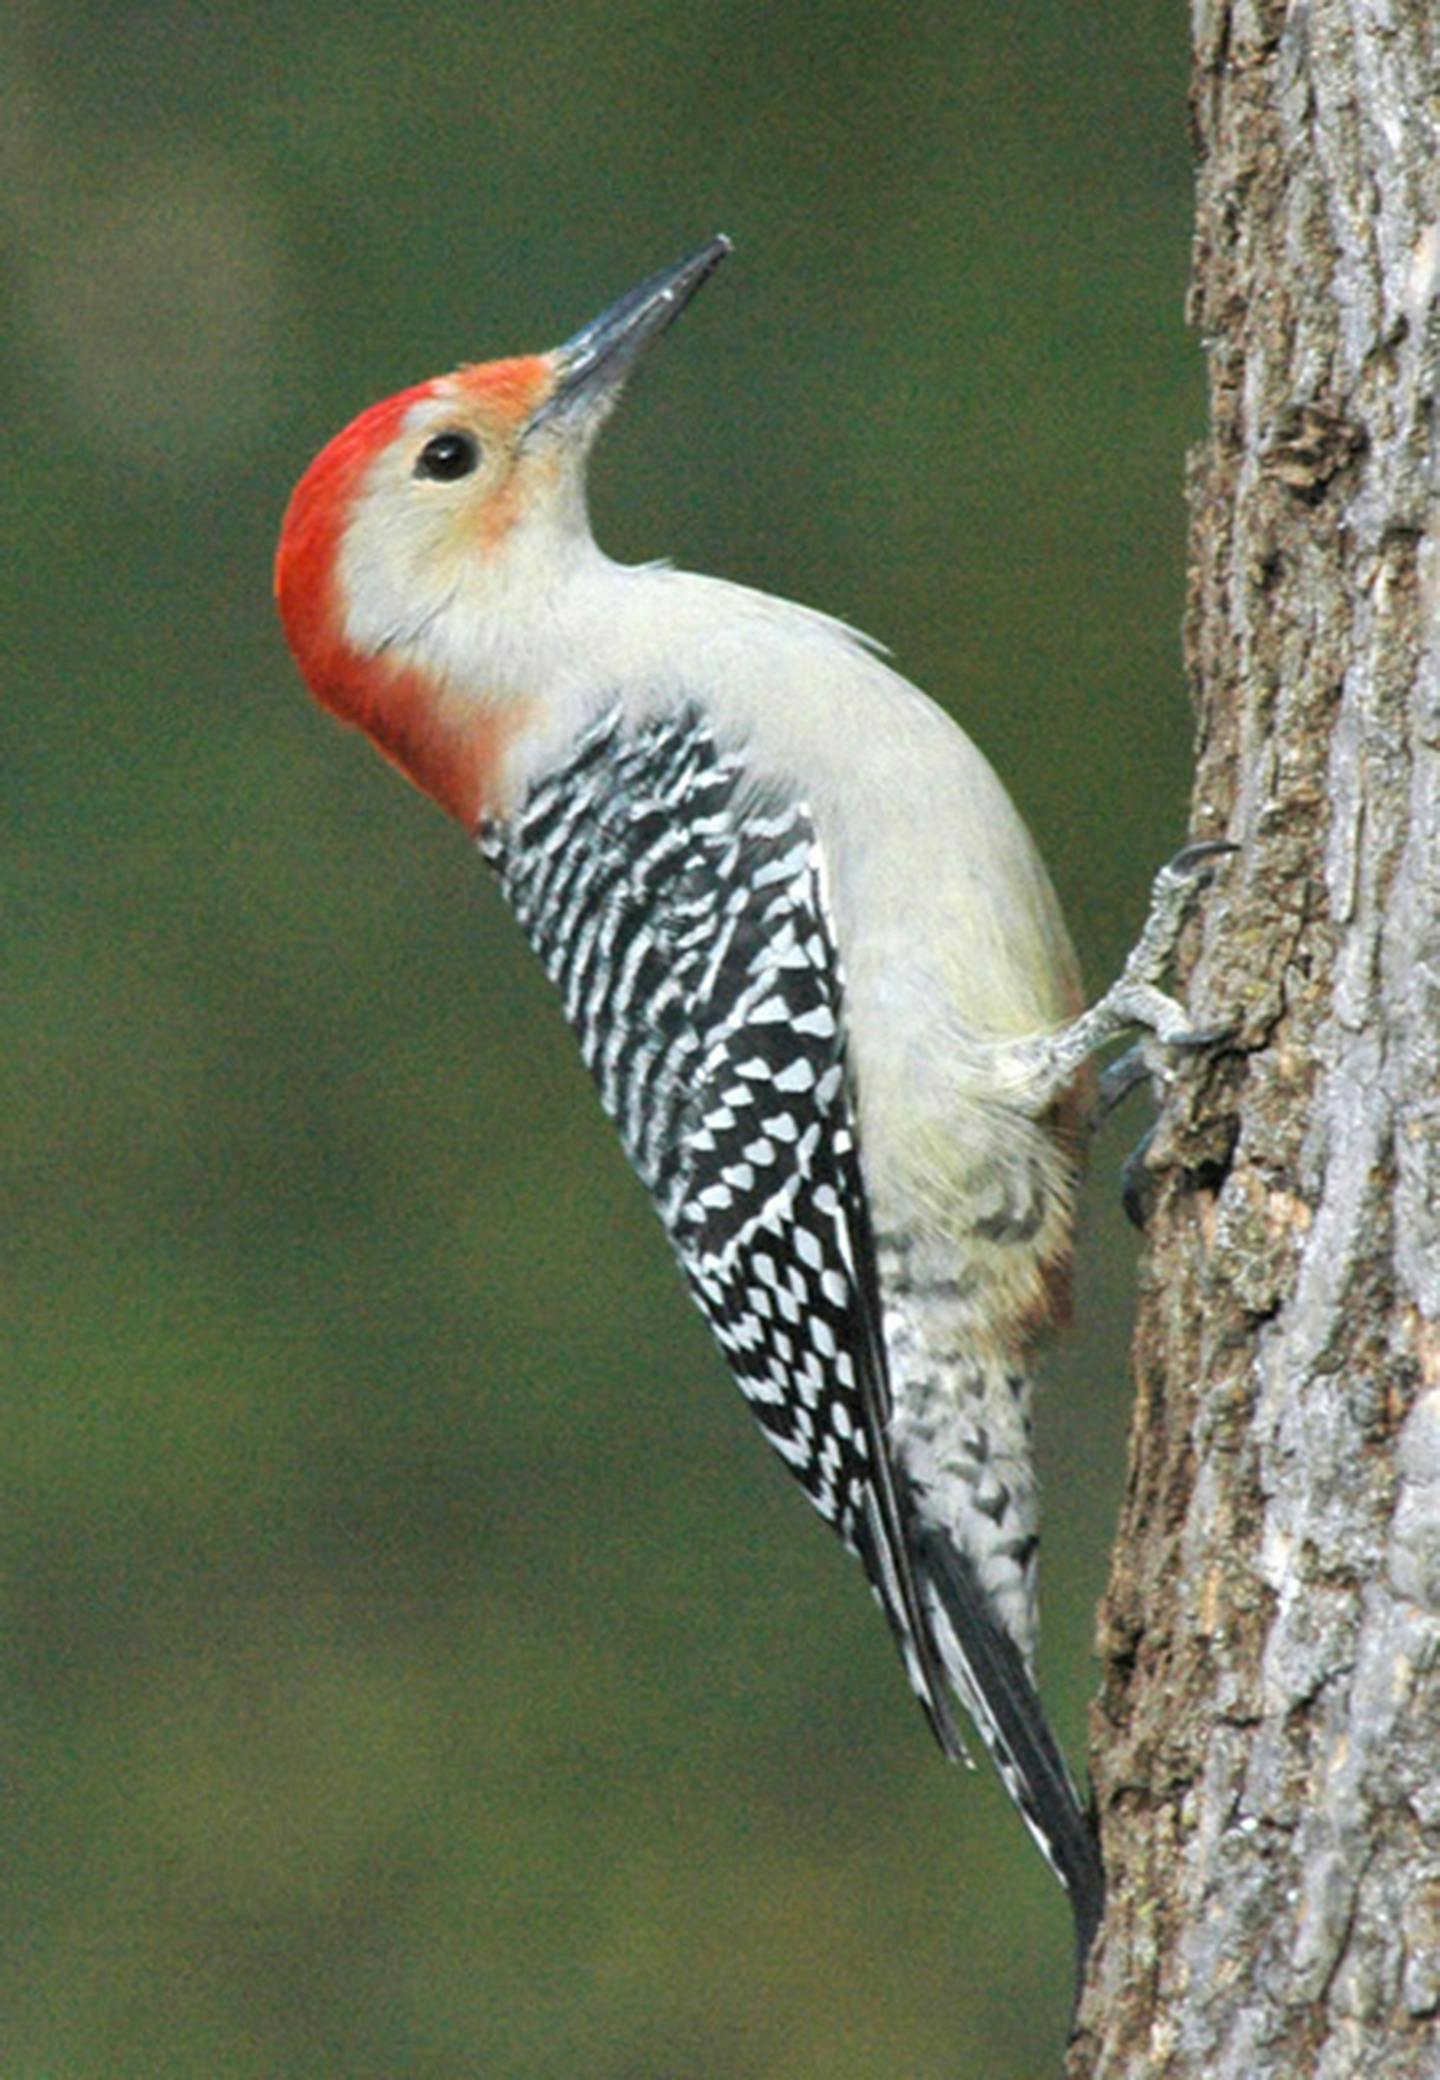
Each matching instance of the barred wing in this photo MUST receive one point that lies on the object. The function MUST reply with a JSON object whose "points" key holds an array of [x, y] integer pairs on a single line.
{"points": [[682, 916]]}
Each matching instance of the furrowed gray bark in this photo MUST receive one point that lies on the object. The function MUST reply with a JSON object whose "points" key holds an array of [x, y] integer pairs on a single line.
{"points": [[1267, 1750]]}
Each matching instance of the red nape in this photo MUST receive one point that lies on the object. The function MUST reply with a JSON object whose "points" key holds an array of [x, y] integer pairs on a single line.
{"points": [[444, 749], [448, 744], [314, 521]]}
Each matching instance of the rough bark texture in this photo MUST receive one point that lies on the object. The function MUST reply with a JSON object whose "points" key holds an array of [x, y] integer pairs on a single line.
{"points": [[1268, 1740]]}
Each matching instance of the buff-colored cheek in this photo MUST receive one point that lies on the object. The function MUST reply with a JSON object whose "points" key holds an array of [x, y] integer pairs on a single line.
{"points": [[500, 512]]}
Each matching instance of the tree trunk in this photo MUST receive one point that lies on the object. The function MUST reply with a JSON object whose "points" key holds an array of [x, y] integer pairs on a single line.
{"points": [[1268, 1739]]}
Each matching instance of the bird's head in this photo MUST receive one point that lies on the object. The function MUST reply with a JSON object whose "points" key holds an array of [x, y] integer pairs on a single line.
{"points": [[416, 537]]}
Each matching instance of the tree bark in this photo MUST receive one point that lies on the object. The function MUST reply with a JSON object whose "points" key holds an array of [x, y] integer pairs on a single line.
{"points": [[1268, 1737]]}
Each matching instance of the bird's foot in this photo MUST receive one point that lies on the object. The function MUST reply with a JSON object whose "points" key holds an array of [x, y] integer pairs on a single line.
{"points": [[1137, 999]]}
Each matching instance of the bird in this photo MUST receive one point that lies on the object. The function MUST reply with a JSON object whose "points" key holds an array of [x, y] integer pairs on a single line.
{"points": [[811, 956]]}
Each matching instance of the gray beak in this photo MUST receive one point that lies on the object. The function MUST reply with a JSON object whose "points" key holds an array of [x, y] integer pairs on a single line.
{"points": [[591, 368]]}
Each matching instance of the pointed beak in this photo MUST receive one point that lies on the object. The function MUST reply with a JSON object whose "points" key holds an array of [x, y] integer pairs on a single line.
{"points": [[591, 368]]}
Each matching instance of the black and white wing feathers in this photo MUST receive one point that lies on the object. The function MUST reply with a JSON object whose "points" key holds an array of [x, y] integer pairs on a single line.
{"points": [[682, 914]]}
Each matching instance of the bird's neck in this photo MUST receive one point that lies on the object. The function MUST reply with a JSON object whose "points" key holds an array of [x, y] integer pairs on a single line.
{"points": [[449, 699], [449, 743]]}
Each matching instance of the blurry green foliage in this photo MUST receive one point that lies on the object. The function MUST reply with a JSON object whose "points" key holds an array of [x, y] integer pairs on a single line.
{"points": [[416, 1664]]}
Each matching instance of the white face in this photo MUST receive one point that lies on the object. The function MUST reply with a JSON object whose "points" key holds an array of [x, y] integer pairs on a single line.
{"points": [[467, 509]]}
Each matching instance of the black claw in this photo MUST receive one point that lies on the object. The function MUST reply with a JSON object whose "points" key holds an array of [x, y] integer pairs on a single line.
{"points": [[1194, 859], [1137, 1184], [1121, 1077], [1199, 1038]]}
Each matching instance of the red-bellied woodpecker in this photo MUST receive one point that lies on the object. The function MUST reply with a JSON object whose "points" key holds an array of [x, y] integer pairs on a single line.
{"points": [[809, 951]]}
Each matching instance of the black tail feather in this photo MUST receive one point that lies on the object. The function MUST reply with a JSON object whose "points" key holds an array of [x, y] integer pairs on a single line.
{"points": [[997, 1690]]}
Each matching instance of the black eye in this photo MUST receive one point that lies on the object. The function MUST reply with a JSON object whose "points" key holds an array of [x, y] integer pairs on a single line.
{"points": [[447, 456]]}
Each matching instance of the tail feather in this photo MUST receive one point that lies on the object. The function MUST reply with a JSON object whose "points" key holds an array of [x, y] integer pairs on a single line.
{"points": [[991, 1679]]}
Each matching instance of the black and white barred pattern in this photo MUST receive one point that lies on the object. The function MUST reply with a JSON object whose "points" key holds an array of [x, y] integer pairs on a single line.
{"points": [[681, 913]]}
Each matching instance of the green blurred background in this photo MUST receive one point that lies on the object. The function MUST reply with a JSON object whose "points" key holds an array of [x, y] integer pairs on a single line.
{"points": [[417, 1664]]}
